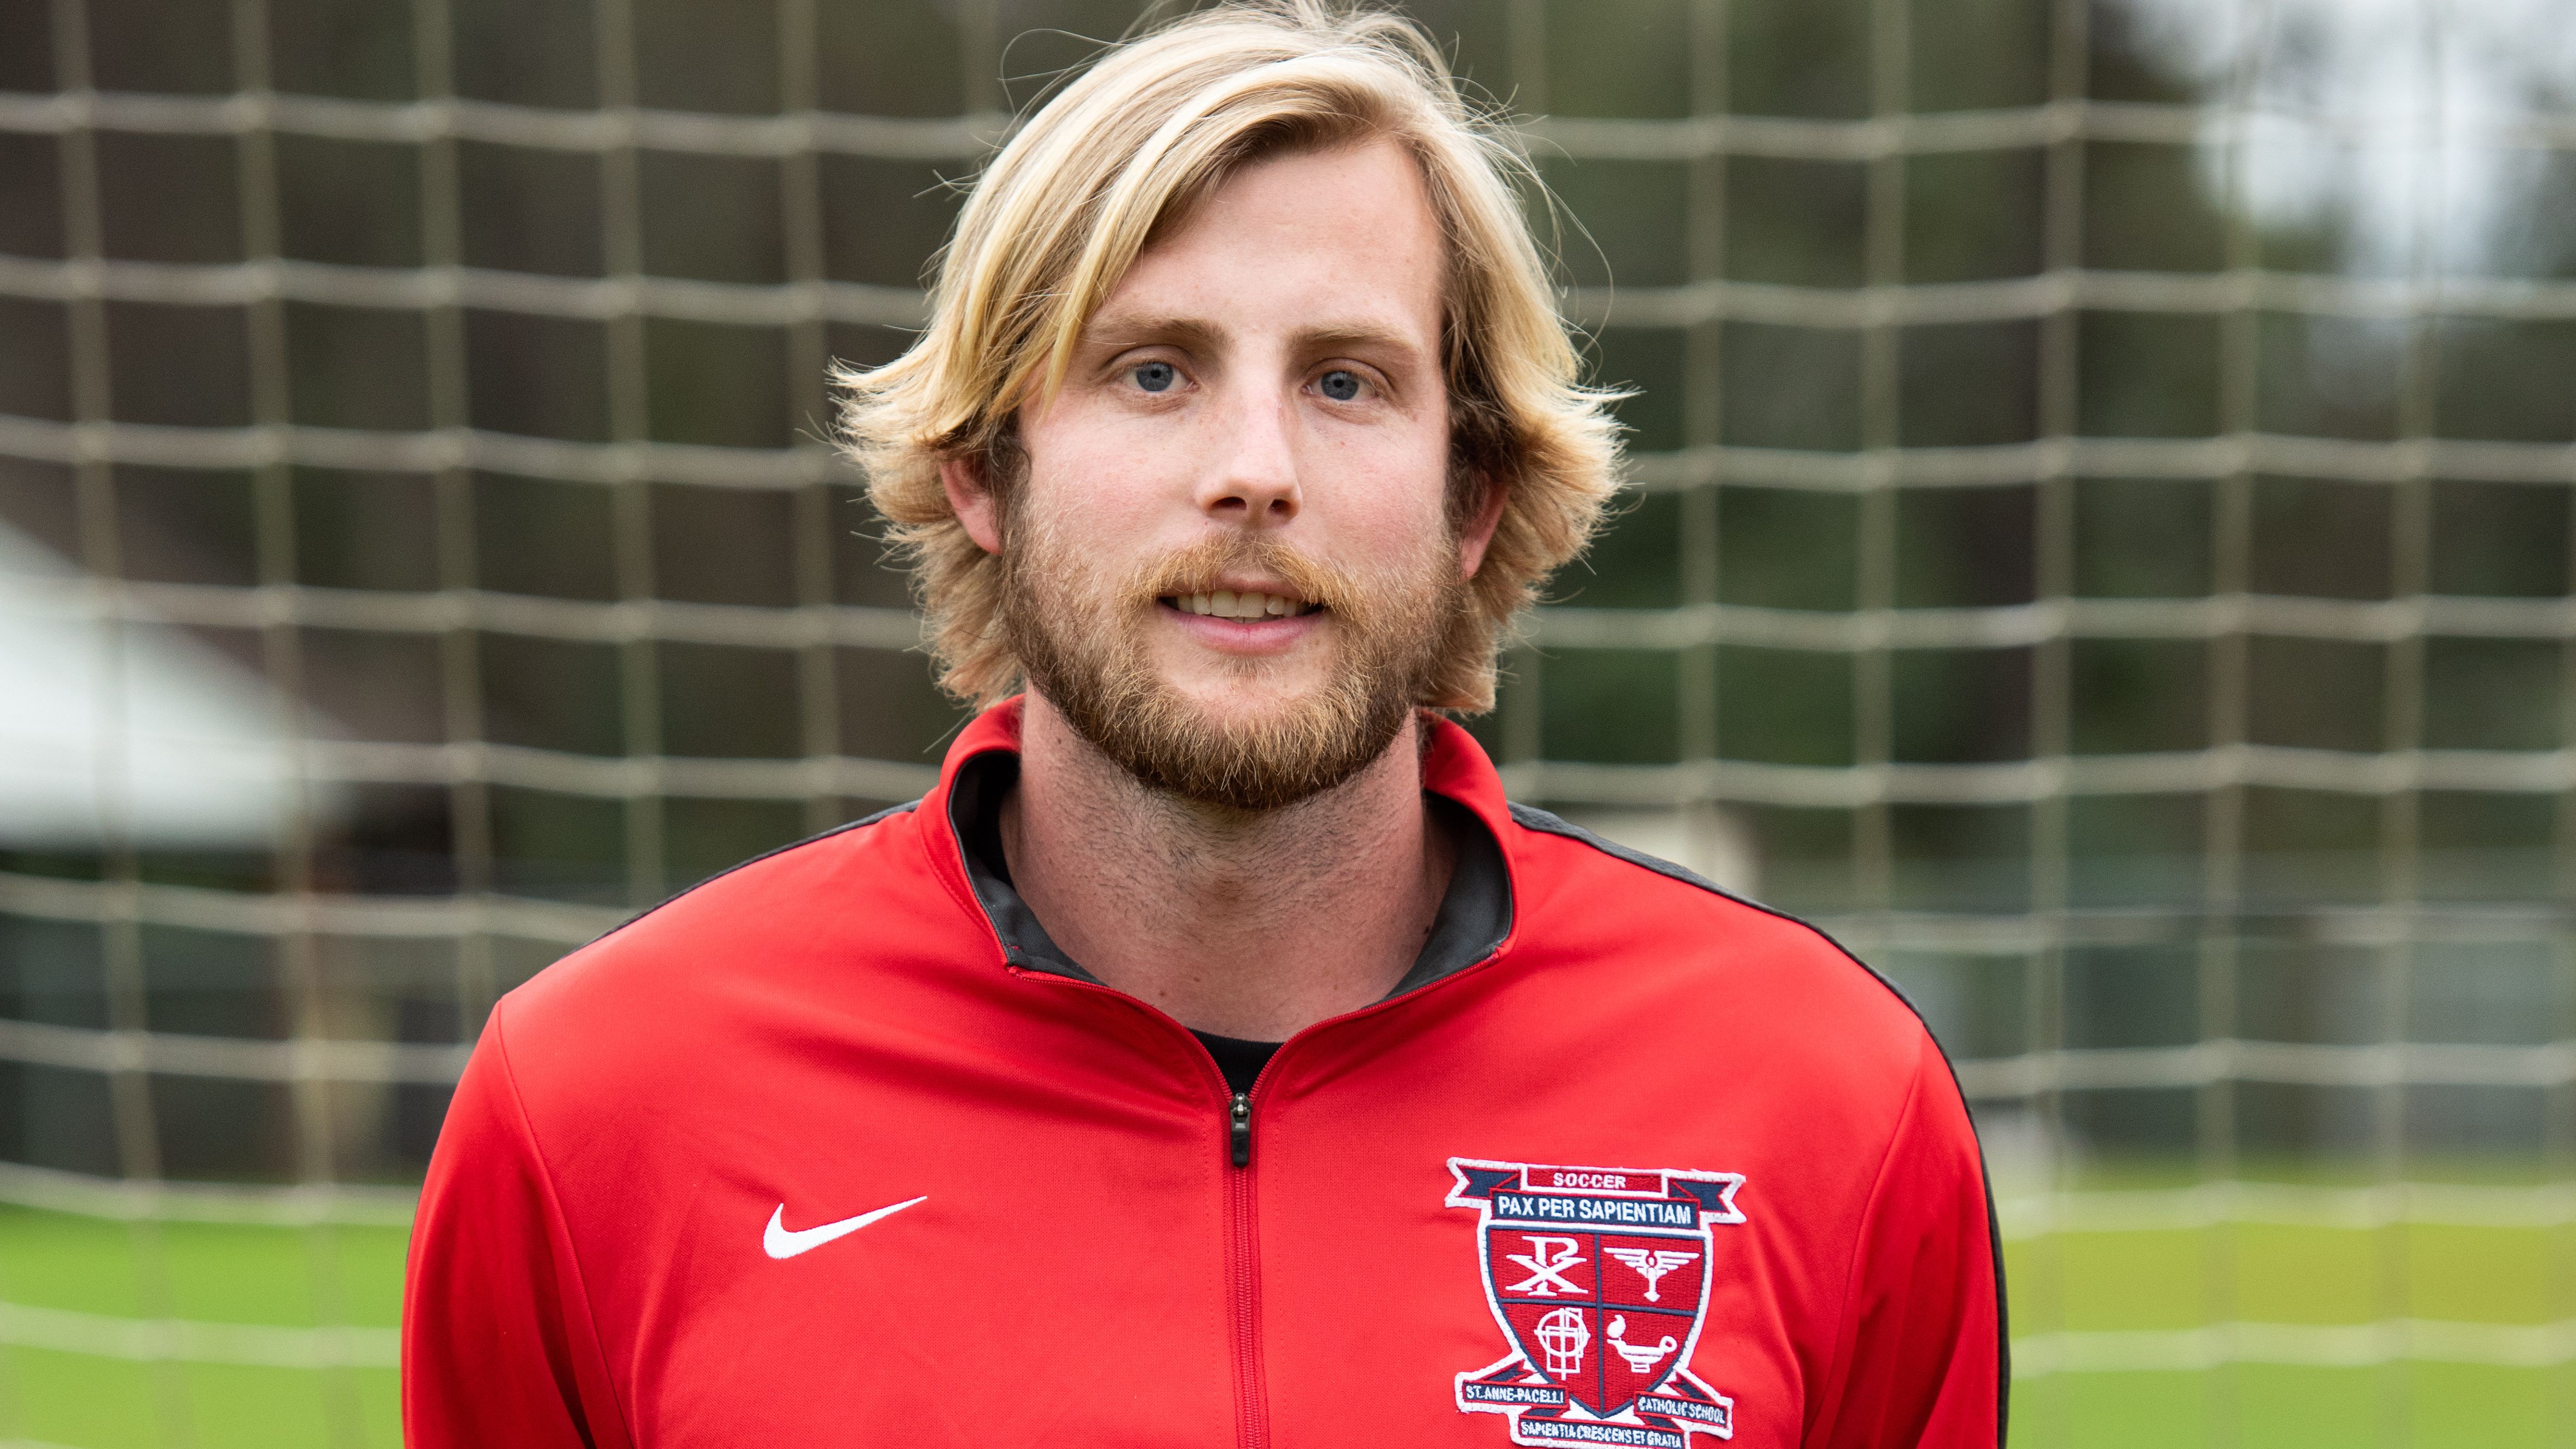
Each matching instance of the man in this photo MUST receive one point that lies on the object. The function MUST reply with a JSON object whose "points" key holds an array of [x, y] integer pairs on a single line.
{"points": [[1242, 426]]}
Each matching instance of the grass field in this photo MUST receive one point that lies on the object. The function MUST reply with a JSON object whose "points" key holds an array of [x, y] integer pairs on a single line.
{"points": [[2452, 1284], [83, 1282], [78, 1281]]}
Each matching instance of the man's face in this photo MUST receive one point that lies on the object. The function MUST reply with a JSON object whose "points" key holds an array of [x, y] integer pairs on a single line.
{"points": [[1229, 563]]}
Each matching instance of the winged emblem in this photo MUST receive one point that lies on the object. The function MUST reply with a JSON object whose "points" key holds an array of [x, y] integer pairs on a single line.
{"points": [[1651, 1264]]}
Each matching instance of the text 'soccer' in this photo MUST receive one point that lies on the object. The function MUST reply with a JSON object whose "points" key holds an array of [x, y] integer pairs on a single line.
{"points": [[1599, 1278]]}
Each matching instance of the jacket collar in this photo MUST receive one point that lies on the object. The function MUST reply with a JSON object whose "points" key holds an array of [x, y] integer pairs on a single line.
{"points": [[960, 820]]}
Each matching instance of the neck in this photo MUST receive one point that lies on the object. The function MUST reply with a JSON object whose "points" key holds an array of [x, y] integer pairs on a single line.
{"points": [[1245, 925]]}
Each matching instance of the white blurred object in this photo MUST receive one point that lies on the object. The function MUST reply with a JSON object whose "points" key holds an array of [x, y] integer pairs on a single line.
{"points": [[1703, 838], [2404, 125], [135, 731]]}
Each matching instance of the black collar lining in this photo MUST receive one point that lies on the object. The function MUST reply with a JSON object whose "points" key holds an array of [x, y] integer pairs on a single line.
{"points": [[1475, 914]]}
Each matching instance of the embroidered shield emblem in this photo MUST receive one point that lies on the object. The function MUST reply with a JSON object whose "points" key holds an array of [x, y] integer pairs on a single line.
{"points": [[1599, 1278]]}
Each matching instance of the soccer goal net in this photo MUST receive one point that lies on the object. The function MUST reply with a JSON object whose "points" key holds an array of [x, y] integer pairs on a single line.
{"points": [[2098, 540]]}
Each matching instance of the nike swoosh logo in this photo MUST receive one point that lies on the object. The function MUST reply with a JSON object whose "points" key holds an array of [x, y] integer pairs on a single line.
{"points": [[778, 1242]]}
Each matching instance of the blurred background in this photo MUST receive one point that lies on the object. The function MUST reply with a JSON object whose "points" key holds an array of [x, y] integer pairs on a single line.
{"points": [[2099, 540]]}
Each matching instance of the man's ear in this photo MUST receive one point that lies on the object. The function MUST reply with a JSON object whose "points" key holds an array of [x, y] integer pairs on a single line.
{"points": [[1478, 531], [963, 481]]}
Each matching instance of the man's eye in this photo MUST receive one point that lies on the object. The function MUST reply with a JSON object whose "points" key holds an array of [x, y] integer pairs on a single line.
{"points": [[1341, 384], [1155, 376]]}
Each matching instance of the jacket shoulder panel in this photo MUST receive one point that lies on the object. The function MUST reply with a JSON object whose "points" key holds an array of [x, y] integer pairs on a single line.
{"points": [[1530, 817], [1737, 911], [766, 917]]}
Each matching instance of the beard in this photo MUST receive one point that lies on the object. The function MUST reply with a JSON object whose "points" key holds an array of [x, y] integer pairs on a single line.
{"points": [[1081, 638]]}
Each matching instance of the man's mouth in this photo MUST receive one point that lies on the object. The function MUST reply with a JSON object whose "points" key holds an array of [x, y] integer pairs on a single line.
{"points": [[1228, 604]]}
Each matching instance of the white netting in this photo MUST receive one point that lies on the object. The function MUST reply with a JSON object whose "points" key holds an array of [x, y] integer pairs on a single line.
{"points": [[2006, 944]]}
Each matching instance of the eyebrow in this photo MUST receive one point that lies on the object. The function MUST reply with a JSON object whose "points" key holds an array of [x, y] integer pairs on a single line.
{"points": [[1355, 337], [1119, 333]]}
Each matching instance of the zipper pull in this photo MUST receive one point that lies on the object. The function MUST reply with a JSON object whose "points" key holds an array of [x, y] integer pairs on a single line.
{"points": [[1240, 1115]]}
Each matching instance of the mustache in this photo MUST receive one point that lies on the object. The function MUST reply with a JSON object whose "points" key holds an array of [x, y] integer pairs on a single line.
{"points": [[1197, 568]]}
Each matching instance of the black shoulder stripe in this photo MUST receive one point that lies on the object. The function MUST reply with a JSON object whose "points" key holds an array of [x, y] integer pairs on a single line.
{"points": [[890, 811], [1537, 819], [1533, 818]]}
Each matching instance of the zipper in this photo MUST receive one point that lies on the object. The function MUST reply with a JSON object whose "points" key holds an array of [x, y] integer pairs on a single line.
{"points": [[1242, 1237], [1243, 1279]]}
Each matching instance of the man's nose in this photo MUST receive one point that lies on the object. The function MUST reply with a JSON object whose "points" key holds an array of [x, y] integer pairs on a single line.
{"points": [[1254, 480]]}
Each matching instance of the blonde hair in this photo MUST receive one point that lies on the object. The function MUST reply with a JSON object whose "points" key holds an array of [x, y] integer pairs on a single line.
{"points": [[1060, 215]]}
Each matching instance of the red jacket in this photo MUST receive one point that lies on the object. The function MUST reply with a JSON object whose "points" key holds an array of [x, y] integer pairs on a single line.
{"points": [[838, 1149]]}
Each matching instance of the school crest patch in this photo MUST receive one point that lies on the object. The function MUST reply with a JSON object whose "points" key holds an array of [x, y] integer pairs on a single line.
{"points": [[1599, 1278]]}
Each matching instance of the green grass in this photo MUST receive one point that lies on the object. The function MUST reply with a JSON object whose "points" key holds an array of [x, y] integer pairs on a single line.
{"points": [[214, 1273], [2064, 1282], [2264, 1273], [2269, 1406], [2272, 1273]]}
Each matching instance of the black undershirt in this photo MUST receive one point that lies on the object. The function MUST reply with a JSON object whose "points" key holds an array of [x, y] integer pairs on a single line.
{"points": [[1241, 1061]]}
